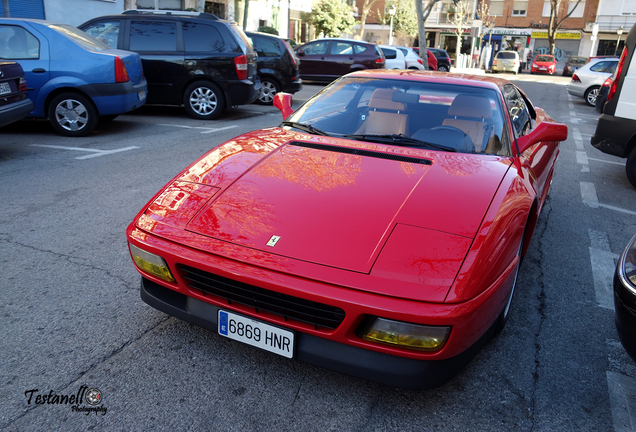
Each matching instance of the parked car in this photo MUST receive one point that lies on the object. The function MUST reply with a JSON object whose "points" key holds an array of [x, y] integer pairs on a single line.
{"points": [[543, 63], [443, 59], [587, 80], [601, 97], [432, 60], [413, 60], [506, 61], [278, 66], [625, 298], [283, 246], [573, 64], [74, 79], [14, 103], [190, 59], [393, 57], [616, 128], [328, 59]]}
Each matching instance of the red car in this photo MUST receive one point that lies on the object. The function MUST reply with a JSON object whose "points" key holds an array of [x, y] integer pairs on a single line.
{"points": [[432, 60], [377, 231], [543, 63]]}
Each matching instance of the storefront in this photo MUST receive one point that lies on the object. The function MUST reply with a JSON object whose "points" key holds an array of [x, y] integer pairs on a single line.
{"points": [[567, 44], [503, 39]]}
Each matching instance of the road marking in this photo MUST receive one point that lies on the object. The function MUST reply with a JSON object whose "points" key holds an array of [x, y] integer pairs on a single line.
{"points": [[206, 130], [588, 193], [96, 152], [622, 392], [606, 161], [581, 159], [603, 264], [578, 139]]}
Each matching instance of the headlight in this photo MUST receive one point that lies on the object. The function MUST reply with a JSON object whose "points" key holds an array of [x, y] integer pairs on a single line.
{"points": [[627, 266], [151, 263], [401, 334], [534, 65]]}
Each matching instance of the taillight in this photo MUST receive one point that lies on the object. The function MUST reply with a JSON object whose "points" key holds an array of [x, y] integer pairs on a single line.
{"points": [[419, 60], [290, 52], [617, 75], [575, 78], [608, 82], [23, 86], [121, 74], [379, 60], [240, 63]]}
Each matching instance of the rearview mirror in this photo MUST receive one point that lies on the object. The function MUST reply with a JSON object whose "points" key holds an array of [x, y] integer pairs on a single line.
{"points": [[545, 131], [283, 102]]}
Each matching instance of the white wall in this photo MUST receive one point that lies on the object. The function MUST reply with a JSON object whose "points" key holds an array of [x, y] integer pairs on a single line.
{"points": [[76, 12]]}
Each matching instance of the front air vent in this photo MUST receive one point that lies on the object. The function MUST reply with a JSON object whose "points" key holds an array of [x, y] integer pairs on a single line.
{"points": [[360, 152]]}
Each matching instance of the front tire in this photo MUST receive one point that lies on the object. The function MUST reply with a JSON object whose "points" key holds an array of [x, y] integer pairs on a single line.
{"points": [[203, 100], [590, 95], [269, 88], [631, 167], [72, 114], [505, 313], [442, 68]]}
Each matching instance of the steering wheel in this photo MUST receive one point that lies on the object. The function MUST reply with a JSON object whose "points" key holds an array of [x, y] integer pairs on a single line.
{"points": [[449, 128]]}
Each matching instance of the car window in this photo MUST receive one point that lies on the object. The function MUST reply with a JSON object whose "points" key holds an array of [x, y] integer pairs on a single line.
{"points": [[19, 43], [507, 55], [105, 31], [604, 66], [153, 36], [544, 59], [341, 48], [404, 51], [389, 53], [519, 115], [266, 47], [316, 48], [202, 38]]}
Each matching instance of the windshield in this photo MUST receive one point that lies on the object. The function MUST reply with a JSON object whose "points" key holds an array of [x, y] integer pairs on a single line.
{"points": [[544, 59], [578, 60], [459, 118]]}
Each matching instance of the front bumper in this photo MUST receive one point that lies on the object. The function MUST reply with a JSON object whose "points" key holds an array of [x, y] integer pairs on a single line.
{"points": [[355, 361]]}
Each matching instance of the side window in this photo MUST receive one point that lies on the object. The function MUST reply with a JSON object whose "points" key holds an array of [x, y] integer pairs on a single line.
{"points": [[389, 53], [519, 115], [341, 48], [266, 47], [18, 44], [316, 48], [153, 36], [105, 31], [604, 66], [202, 38], [359, 49]]}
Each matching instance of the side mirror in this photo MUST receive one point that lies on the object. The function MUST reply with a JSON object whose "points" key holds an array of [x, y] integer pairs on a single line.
{"points": [[283, 102], [545, 131], [300, 53]]}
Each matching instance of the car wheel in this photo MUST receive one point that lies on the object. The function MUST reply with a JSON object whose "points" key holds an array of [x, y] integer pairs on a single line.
{"points": [[505, 313], [590, 95], [631, 167], [72, 114], [269, 88], [442, 68], [203, 100]]}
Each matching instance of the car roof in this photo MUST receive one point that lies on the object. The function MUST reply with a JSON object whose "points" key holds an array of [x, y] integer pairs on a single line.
{"points": [[163, 14], [430, 76], [264, 34], [342, 39]]}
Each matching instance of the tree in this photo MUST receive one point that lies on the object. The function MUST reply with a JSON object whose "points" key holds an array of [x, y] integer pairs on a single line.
{"points": [[557, 7], [462, 18], [404, 20], [332, 18], [423, 9], [366, 8]]}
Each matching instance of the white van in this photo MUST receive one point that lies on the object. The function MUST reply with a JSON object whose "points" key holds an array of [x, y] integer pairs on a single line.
{"points": [[506, 61], [616, 129]]}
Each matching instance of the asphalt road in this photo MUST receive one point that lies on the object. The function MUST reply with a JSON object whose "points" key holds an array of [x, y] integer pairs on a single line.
{"points": [[72, 319]]}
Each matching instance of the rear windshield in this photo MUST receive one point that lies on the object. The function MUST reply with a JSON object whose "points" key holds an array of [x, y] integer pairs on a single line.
{"points": [[544, 59], [79, 37], [242, 39], [506, 55], [578, 60]]}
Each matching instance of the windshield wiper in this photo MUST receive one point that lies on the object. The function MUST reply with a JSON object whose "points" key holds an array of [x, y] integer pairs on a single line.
{"points": [[305, 127], [400, 139]]}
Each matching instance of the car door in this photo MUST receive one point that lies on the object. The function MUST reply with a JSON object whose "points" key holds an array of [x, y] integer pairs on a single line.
{"points": [[28, 47], [313, 56], [339, 59], [602, 70]]}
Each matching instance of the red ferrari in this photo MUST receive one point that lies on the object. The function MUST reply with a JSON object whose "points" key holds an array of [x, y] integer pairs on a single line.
{"points": [[377, 231]]}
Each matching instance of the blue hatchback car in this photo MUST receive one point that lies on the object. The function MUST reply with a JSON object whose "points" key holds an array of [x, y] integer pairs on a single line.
{"points": [[73, 79]]}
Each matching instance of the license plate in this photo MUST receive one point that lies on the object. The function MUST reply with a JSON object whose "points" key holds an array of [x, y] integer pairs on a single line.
{"points": [[4, 88], [541, 68], [256, 333], [141, 95]]}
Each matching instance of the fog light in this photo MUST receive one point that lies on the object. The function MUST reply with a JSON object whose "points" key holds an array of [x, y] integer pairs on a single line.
{"points": [[406, 335], [151, 263]]}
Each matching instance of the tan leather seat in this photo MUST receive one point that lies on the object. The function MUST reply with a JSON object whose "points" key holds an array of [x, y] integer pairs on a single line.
{"points": [[476, 113], [391, 120]]}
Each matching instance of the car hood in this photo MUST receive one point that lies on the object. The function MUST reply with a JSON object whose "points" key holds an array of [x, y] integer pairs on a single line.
{"points": [[337, 202]]}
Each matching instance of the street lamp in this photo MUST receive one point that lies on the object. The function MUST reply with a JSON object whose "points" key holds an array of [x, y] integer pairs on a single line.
{"points": [[392, 12], [619, 32]]}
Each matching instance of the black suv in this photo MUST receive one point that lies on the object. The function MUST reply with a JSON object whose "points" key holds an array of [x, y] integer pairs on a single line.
{"points": [[278, 66], [192, 59]]}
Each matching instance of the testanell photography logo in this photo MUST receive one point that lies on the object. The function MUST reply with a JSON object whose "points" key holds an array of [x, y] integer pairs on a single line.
{"points": [[92, 397]]}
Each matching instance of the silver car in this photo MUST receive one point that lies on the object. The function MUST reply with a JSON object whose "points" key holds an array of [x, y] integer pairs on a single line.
{"points": [[588, 79], [413, 61]]}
